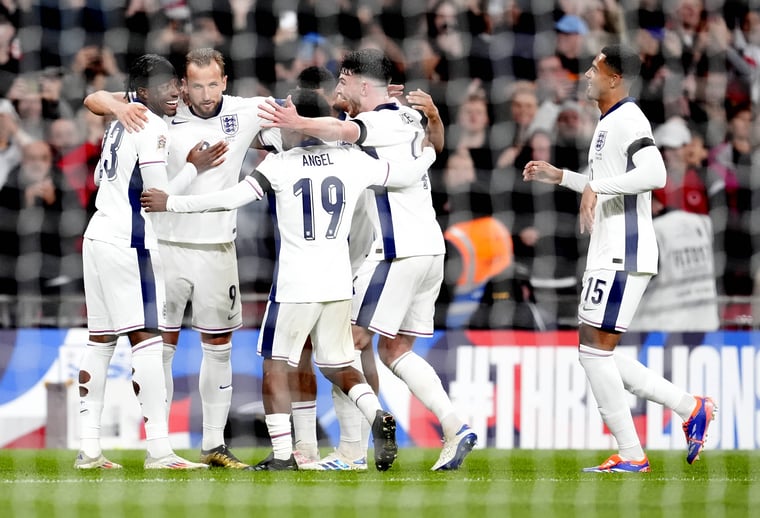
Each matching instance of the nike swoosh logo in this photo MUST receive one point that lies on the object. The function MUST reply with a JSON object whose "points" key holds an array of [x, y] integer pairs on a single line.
{"points": [[230, 317], [175, 122], [222, 387]]}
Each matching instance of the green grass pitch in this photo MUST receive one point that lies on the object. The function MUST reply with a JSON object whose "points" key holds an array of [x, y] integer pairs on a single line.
{"points": [[504, 483]]}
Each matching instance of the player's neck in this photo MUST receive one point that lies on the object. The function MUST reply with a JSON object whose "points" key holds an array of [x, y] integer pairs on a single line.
{"points": [[610, 100]]}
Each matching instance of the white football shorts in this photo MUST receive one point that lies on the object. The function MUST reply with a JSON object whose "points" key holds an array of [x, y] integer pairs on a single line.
{"points": [[206, 275], [287, 325], [609, 298], [398, 296], [123, 287]]}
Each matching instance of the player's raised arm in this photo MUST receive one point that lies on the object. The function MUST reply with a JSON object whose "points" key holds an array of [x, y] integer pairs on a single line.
{"points": [[422, 101], [325, 128], [131, 115]]}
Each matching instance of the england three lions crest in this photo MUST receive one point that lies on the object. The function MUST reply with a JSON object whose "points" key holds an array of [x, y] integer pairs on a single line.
{"points": [[230, 124], [600, 140]]}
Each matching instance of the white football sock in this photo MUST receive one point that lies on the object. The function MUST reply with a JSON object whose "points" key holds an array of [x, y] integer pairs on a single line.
{"points": [[364, 397], [647, 384], [93, 372], [168, 356], [350, 420], [279, 432], [215, 387], [148, 382], [425, 384], [607, 386], [305, 426]]}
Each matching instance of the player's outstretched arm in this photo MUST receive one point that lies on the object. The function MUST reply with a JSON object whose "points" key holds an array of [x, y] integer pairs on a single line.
{"points": [[422, 101], [325, 128], [246, 191], [131, 115], [540, 171]]}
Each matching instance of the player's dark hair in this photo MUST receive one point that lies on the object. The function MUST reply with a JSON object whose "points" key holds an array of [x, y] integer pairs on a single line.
{"points": [[203, 57], [146, 68], [623, 60], [314, 78], [309, 103], [370, 63]]}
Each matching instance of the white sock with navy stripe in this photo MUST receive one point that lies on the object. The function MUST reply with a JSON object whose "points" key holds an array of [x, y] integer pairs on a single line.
{"points": [[607, 386]]}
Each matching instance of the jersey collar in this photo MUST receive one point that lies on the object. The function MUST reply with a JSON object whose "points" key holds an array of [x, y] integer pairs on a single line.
{"points": [[618, 104], [386, 106]]}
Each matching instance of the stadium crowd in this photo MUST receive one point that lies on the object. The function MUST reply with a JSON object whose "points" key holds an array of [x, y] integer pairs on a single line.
{"points": [[507, 77]]}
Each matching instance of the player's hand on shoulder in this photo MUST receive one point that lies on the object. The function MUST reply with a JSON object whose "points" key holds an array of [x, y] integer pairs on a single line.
{"points": [[132, 116], [153, 200], [540, 171], [204, 156], [277, 113], [422, 101]]}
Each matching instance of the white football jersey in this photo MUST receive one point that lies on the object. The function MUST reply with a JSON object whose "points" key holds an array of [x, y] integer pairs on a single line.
{"points": [[237, 122], [623, 237], [314, 191], [404, 219], [119, 218]]}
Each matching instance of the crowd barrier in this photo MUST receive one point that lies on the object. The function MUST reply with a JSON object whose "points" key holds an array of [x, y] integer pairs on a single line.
{"points": [[518, 389]]}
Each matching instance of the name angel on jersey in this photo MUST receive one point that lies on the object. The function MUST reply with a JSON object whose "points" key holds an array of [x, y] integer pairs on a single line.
{"points": [[317, 160]]}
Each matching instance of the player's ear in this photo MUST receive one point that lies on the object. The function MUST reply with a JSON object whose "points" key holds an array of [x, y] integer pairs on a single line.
{"points": [[142, 93]]}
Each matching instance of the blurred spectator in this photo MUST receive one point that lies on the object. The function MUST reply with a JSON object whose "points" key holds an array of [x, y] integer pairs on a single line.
{"points": [[571, 30], [747, 41], [683, 24], [732, 160], [510, 136], [41, 224], [546, 239], [76, 150], [682, 296], [605, 22], [10, 53], [170, 33], [658, 85], [471, 131], [513, 42], [11, 140], [553, 87], [691, 186], [458, 37], [93, 68], [572, 134]]}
